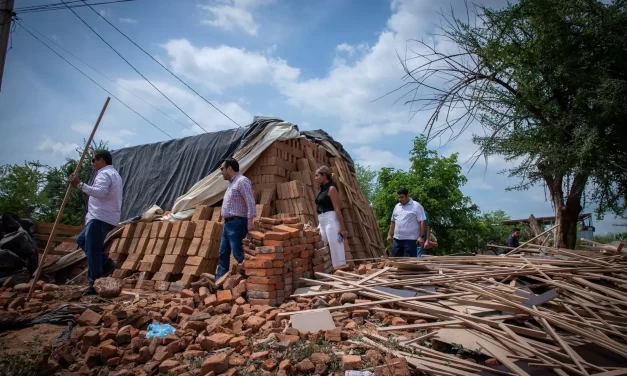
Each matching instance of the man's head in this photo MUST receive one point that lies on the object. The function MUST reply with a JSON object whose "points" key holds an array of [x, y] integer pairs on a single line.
{"points": [[403, 195], [516, 232], [229, 168], [102, 158]]}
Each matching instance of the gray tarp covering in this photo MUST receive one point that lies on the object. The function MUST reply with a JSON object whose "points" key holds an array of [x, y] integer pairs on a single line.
{"points": [[157, 174]]}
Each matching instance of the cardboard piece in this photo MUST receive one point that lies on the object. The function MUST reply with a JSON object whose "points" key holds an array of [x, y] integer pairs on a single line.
{"points": [[536, 300], [313, 321]]}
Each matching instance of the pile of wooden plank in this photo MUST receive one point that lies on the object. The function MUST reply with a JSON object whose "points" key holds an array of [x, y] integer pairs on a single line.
{"points": [[563, 312]]}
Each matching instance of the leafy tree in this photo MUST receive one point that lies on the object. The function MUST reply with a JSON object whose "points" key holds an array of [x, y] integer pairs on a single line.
{"points": [[547, 80], [20, 189], [610, 237], [435, 182], [36, 191], [367, 179]]}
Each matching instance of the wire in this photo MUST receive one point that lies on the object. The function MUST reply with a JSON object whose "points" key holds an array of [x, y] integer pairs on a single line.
{"points": [[162, 66], [44, 8], [105, 76], [135, 69], [91, 79]]}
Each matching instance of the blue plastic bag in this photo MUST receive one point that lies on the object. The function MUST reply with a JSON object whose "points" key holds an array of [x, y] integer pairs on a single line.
{"points": [[159, 330]]}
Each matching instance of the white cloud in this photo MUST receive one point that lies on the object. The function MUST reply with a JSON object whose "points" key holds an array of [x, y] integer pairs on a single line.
{"points": [[128, 20], [115, 137], [234, 15], [222, 67], [209, 118], [345, 47], [377, 159], [60, 148]]}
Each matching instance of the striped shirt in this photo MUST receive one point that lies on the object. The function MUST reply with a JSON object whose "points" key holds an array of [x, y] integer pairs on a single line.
{"points": [[239, 200]]}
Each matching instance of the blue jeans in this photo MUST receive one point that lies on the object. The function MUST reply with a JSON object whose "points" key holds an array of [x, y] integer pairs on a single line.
{"points": [[404, 248], [233, 234], [91, 241]]}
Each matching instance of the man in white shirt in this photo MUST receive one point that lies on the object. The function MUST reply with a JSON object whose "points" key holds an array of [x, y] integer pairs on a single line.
{"points": [[408, 224], [103, 215]]}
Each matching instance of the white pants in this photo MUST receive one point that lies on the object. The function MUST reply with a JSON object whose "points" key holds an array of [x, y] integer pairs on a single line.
{"points": [[329, 230]]}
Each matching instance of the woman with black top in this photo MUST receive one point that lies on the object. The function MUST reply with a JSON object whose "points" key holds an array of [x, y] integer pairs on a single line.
{"points": [[330, 216]]}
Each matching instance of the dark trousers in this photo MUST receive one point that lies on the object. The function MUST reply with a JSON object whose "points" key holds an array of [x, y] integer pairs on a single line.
{"points": [[404, 248], [233, 234], [91, 241]]}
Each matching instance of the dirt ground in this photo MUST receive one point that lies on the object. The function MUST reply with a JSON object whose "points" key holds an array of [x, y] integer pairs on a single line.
{"points": [[39, 335]]}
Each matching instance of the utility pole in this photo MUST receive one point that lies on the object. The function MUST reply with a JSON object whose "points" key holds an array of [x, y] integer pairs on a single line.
{"points": [[6, 14]]}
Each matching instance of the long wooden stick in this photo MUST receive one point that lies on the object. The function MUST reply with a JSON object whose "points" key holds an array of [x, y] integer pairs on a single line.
{"points": [[530, 240], [65, 200]]}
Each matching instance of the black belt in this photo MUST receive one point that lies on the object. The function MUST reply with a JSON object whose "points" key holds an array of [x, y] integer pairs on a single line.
{"points": [[232, 218]]}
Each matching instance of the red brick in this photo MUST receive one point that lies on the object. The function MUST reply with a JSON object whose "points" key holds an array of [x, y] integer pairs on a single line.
{"points": [[155, 229], [224, 296], [270, 256], [256, 235], [269, 250], [262, 302], [176, 227], [166, 229], [272, 221], [258, 287], [261, 272], [202, 213], [278, 264], [274, 243], [194, 247], [181, 246], [257, 264], [187, 230], [274, 235], [265, 280], [129, 230], [159, 248], [291, 220], [293, 232], [199, 228]]}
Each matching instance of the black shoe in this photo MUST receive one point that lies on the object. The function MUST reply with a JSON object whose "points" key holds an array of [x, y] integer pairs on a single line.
{"points": [[109, 269], [89, 291]]}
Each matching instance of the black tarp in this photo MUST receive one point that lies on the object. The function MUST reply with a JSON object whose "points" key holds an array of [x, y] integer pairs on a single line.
{"points": [[157, 174]]}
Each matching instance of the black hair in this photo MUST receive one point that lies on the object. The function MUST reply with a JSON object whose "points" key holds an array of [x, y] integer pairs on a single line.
{"points": [[403, 191], [231, 162], [105, 155], [515, 229]]}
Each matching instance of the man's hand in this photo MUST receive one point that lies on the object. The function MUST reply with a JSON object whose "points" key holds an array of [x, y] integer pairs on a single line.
{"points": [[74, 180], [427, 245], [420, 241], [389, 238]]}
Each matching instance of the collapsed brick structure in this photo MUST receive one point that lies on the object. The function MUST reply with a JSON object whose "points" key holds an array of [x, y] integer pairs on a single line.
{"points": [[286, 243]]}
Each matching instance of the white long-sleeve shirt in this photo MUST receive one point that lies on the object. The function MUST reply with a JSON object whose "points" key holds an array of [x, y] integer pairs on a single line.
{"points": [[105, 196]]}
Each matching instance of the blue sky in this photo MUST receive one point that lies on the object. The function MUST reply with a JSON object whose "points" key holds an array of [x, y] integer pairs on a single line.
{"points": [[318, 64]]}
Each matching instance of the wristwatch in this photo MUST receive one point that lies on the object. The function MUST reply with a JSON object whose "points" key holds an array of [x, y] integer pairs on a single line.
{"points": [[80, 186]]}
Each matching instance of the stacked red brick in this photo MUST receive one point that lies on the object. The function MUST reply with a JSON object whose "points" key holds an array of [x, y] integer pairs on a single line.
{"points": [[278, 255]]}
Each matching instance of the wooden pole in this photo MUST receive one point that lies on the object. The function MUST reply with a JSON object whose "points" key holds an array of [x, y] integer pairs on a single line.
{"points": [[65, 200], [530, 240]]}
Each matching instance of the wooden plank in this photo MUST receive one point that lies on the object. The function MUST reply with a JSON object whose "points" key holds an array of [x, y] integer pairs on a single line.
{"points": [[46, 228]]}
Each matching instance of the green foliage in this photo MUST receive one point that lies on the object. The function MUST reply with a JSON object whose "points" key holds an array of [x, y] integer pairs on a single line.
{"points": [[546, 80], [435, 182], [21, 189], [36, 191], [367, 179], [610, 237]]}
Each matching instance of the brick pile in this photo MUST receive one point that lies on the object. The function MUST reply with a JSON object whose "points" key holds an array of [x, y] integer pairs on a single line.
{"points": [[278, 254], [154, 255]]}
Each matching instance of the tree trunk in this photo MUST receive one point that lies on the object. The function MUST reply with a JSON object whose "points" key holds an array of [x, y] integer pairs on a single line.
{"points": [[567, 208], [536, 229]]}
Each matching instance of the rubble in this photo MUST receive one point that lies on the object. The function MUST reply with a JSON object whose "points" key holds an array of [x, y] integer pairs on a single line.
{"points": [[449, 315], [108, 287]]}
